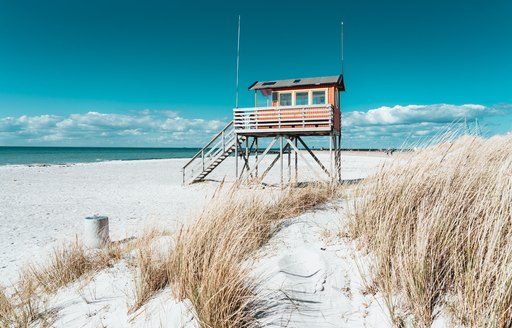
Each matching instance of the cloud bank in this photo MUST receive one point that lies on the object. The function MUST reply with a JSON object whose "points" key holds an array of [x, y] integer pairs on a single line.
{"points": [[399, 125], [145, 128], [376, 128]]}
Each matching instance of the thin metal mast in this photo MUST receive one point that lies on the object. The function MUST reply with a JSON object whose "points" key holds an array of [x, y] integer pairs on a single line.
{"points": [[236, 101], [237, 61], [342, 51]]}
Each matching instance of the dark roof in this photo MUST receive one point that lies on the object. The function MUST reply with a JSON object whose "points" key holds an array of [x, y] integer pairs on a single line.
{"points": [[302, 82]]}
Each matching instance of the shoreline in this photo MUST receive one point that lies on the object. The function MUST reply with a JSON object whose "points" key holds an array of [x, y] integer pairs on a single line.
{"points": [[363, 153], [39, 165]]}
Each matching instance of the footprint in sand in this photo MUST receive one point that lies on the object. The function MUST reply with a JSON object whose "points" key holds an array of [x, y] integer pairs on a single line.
{"points": [[304, 271]]}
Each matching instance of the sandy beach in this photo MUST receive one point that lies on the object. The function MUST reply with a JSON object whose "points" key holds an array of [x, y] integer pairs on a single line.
{"points": [[42, 207]]}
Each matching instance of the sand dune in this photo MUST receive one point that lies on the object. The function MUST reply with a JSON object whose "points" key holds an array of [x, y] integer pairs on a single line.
{"points": [[42, 207]]}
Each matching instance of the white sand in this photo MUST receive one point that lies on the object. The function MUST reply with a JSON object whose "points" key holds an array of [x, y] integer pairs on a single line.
{"points": [[307, 263], [42, 207]]}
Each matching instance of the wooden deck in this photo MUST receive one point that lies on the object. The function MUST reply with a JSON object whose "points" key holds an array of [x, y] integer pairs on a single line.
{"points": [[290, 120]]}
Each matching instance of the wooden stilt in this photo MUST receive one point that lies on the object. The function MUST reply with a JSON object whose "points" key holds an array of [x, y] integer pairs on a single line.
{"points": [[289, 167], [256, 141], [336, 148], [339, 156], [314, 156], [286, 147], [296, 161], [281, 159], [264, 154], [236, 156], [247, 153], [303, 159], [331, 157]]}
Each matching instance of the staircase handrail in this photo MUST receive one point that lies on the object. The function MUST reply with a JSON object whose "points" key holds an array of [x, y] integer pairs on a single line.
{"points": [[208, 145], [201, 153]]}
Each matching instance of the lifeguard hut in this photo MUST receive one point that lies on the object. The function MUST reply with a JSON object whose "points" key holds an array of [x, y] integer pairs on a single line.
{"points": [[292, 109]]}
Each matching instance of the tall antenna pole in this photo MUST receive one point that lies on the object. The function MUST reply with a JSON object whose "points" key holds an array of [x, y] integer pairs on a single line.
{"points": [[237, 61], [342, 51]]}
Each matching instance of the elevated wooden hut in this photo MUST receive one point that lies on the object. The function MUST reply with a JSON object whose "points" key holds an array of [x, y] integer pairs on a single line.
{"points": [[292, 109]]}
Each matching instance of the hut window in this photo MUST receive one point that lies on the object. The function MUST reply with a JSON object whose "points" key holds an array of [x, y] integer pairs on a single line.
{"points": [[285, 99], [301, 98], [275, 96], [318, 97]]}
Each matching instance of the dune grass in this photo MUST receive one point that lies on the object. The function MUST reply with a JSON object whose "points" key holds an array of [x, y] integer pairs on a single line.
{"points": [[439, 225], [150, 276], [210, 263], [23, 305], [25, 302]]}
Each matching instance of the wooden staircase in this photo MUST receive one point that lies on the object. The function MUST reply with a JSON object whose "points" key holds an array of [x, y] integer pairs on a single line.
{"points": [[210, 156]]}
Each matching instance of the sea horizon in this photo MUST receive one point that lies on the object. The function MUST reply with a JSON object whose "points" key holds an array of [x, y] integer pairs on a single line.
{"points": [[61, 155]]}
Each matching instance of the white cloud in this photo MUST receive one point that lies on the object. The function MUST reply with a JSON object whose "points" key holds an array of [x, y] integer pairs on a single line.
{"points": [[438, 113], [138, 128], [394, 126], [379, 127]]}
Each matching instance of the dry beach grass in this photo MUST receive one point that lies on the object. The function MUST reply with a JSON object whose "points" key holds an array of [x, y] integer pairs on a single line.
{"points": [[439, 225], [25, 303], [209, 263]]}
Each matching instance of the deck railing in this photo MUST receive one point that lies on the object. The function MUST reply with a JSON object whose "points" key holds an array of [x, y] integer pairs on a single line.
{"points": [[263, 119]]}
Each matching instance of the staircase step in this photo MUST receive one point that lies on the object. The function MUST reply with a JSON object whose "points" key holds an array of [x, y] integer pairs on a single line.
{"points": [[220, 155]]}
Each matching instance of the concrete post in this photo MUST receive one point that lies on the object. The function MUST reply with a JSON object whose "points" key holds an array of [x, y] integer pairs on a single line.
{"points": [[96, 232]]}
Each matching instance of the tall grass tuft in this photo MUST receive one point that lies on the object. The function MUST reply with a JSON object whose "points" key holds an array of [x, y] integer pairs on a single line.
{"points": [[25, 303], [439, 225], [23, 306], [150, 276], [65, 265], [210, 265]]}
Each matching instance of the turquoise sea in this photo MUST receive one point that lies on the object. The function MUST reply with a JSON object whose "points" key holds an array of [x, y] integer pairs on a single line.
{"points": [[69, 155]]}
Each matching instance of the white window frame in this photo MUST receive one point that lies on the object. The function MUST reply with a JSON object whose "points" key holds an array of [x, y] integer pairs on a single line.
{"points": [[301, 91], [310, 95], [286, 92], [325, 94]]}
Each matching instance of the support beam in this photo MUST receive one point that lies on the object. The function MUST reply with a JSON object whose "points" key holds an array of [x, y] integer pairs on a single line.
{"points": [[236, 156], [334, 175], [339, 157], [246, 154], [264, 154], [296, 161], [314, 156], [241, 154], [248, 151], [305, 161], [289, 167], [286, 147], [281, 159], [331, 157], [256, 141]]}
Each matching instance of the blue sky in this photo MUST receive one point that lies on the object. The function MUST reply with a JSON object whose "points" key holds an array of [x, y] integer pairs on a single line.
{"points": [[162, 73]]}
